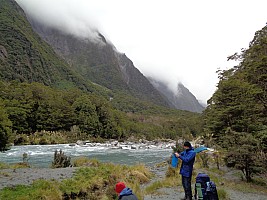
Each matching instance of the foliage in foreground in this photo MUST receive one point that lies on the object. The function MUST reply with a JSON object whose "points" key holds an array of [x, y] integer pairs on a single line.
{"points": [[95, 183]]}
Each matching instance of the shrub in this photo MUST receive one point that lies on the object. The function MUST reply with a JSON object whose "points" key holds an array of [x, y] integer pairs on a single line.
{"points": [[43, 141], [205, 159], [170, 172], [60, 160]]}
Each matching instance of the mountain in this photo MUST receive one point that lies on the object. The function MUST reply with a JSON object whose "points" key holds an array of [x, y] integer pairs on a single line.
{"points": [[34, 52], [71, 62], [25, 57], [182, 99], [98, 60]]}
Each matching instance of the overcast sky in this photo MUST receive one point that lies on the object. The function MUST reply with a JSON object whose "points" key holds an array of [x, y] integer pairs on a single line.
{"points": [[172, 40]]}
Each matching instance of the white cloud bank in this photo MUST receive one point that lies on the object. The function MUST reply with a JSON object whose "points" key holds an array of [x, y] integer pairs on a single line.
{"points": [[171, 40]]}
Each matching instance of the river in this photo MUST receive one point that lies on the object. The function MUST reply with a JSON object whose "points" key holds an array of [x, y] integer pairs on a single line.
{"points": [[42, 155]]}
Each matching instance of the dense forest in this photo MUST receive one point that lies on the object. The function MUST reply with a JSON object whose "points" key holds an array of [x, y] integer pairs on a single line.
{"points": [[31, 108], [236, 116]]}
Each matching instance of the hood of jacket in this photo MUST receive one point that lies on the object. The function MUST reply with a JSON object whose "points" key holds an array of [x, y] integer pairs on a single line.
{"points": [[126, 191]]}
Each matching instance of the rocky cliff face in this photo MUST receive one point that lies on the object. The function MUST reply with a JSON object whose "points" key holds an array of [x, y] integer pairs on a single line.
{"points": [[98, 61], [182, 99]]}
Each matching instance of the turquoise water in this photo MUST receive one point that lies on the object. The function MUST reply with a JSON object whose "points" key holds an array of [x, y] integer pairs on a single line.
{"points": [[42, 155]]}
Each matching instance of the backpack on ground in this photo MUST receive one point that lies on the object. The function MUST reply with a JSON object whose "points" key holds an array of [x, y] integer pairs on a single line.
{"points": [[204, 188]]}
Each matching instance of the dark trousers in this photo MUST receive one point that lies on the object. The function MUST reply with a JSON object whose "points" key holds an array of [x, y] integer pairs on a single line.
{"points": [[186, 181]]}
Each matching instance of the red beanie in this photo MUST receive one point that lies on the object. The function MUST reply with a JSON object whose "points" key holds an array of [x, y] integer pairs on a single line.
{"points": [[119, 187]]}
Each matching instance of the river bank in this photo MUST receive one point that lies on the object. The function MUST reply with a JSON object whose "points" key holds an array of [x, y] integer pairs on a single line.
{"points": [[25, 176]]}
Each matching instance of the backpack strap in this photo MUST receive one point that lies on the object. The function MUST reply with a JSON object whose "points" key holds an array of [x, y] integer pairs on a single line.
{"points": [[198, 192]]}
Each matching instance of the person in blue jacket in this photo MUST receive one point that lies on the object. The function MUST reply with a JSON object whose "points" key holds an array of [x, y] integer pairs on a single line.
{"points": [[124, 192], [188, 158]]}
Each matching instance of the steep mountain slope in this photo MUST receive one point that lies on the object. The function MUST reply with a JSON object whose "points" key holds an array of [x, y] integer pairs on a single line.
{"points": [[92, 65], [183, 99], [25, 57], [99, 61]]}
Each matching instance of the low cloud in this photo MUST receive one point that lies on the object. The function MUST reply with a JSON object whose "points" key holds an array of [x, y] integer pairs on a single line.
{"points": [[66, 15], [172, 41]]}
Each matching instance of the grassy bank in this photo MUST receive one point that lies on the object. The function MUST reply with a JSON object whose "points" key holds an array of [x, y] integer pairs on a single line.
{"points": [[226, 179], [93, 180]]}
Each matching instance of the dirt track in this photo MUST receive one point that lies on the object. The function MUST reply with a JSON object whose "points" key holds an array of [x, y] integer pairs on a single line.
{"points": [[178, 193]]}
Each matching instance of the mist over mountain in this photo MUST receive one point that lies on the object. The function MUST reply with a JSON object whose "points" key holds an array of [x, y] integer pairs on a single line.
{"points": [[98, 61], [86, 62], [25, 57], [181, 99]]}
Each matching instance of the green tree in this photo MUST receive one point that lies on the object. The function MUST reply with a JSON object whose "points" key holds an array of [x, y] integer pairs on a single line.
{"points": [[240, 99], [5, 128], [87, 118], [236, 115], [243, 153], [232, 106]]}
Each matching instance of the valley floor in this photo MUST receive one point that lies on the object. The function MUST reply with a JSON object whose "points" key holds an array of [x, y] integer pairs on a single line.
{"points": [[25, 176], [178, 193]]}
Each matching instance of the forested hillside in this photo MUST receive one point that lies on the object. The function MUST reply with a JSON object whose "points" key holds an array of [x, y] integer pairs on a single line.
{"points": [[27, 109], [25, 57], [44, 100], [236, 115], [97, 60]]}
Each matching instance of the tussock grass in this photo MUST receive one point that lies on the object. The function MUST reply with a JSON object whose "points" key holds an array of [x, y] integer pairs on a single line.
{"points": [[104, 177], [172, 179], [151, 189], [167, 182], [20, 165], [14, 166], [245, 187], [223, 195], [95, 180], [85, 162], [3, 165], [216, 171], [40, 189]]}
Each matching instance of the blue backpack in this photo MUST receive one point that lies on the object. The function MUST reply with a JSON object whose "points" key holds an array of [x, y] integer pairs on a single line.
{"points": [[204, 188]]}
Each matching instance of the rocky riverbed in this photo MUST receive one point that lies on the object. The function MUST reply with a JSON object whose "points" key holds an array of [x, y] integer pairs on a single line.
{"points": [[26, 176]]}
